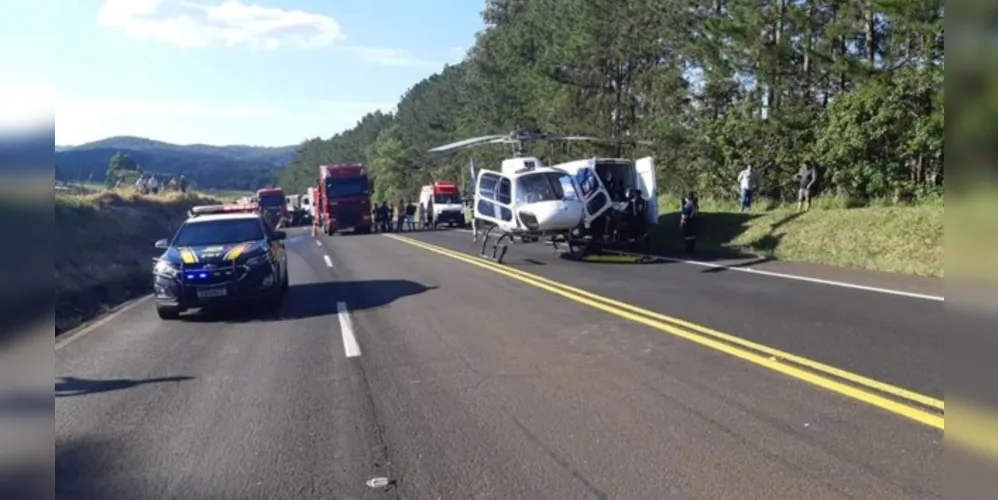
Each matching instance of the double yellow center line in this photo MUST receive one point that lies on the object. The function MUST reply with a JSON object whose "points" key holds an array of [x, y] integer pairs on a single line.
{"points": [[918, 407]]}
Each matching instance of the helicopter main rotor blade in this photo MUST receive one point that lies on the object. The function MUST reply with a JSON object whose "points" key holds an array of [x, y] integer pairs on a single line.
{"points": [[574, 138], [465, 143]]}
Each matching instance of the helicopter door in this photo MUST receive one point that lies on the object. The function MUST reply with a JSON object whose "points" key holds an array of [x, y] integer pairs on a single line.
{"points": [[492, 204], [594, 194], [648, 185]]}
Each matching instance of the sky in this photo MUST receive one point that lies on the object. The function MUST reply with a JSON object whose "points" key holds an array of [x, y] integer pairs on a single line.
{"points": [[257, 72]]}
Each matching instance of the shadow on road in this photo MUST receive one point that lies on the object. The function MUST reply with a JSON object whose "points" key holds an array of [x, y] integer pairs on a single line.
{"points": [[89, 468], [318, 299], [73, 386]]}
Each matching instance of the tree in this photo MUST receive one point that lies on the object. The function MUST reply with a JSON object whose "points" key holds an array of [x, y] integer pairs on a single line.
{"points": [[712, 84], [121, 167]]}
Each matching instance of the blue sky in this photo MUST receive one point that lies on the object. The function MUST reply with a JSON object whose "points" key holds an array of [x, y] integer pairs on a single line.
{"points": [[262, 72]]}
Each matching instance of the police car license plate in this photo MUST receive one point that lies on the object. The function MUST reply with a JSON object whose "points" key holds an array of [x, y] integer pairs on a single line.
{"points": [[210, 293]]}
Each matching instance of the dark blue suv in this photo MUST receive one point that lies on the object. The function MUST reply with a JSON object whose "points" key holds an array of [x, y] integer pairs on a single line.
{"points": [[220, 255]]}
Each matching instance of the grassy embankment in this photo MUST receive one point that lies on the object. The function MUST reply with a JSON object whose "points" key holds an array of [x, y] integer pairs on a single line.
{"points": [[104, 247], [883, 236]]}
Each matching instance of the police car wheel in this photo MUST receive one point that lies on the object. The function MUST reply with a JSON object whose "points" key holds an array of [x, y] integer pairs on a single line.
{"points": [[167, 313]]}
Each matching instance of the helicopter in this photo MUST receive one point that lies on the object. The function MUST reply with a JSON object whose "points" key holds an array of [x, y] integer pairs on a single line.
{"points": [[530, 200]]}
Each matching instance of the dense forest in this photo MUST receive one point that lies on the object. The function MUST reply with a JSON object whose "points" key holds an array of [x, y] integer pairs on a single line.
{"points": [[714, 85], [217, 167]]}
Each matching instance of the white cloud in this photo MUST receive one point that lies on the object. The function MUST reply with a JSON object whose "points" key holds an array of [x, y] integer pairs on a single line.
{"points": [[391, 57], [230, 23]]}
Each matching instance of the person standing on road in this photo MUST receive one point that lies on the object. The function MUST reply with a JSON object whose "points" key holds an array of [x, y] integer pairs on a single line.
{"points": [[746, 183], [808, 176], [688, 221], [400, 216], [410, 216], [429, 214], [385, 217]]}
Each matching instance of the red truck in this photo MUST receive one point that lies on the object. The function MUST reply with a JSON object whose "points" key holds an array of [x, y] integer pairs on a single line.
{"points": [[344, 199], [272, 205]]}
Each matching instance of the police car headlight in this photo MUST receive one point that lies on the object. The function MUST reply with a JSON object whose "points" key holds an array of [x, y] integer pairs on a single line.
{"points": [[165, 268], [259, 260]]}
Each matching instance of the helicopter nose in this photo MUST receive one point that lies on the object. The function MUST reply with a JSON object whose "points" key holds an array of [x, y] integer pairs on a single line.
{"points": [[552, 215]]}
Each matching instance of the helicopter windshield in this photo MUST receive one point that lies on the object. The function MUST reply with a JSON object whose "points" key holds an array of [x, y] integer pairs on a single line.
{"points": [[545, 186]]}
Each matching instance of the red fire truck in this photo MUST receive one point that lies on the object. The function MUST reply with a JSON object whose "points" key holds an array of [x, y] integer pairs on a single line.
{"points": [[344, 202], [272, 205]]}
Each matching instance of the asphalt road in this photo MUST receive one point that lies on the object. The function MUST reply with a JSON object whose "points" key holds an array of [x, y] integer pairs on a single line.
{"points": [[465, 384]]}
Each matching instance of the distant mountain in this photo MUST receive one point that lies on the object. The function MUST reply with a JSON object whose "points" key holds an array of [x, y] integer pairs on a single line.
{"points": [[219, 167]]}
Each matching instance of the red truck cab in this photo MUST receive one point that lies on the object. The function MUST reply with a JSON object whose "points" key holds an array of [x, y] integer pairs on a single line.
{"points": [[273, 205], [344, 199]]}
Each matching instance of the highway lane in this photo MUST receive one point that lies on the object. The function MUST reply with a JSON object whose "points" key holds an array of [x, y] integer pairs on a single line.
{"points": [[468, 385], [893, 339], [232, 406]]}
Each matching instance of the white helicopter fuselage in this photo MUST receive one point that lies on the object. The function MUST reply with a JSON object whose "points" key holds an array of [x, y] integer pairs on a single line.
{"points": [[532, 199]]}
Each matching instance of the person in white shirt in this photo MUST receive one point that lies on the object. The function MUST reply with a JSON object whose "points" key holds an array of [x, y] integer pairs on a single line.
{"points": [[154, 185], [746, 184], [141, 184]]}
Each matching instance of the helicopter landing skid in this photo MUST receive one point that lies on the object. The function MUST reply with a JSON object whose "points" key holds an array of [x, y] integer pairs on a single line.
{"points": [[498, 248]]}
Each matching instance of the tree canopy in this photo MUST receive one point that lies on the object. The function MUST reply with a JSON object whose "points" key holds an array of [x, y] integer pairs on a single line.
{"points": [[714, 85]]}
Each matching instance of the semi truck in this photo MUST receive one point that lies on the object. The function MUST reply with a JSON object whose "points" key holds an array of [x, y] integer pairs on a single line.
{"points": [[344, 199], [272, 205]]}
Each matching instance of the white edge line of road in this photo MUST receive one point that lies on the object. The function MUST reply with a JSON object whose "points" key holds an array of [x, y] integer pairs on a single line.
{"points": [[350, 345], [329, 262], [796, 277], [73, 335]]}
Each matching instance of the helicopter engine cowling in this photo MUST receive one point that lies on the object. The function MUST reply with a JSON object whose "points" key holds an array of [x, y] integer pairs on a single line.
{"points": [[555, 215]]}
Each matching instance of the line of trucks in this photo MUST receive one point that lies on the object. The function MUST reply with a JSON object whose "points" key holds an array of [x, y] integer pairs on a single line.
{"points": [[341, 202]]}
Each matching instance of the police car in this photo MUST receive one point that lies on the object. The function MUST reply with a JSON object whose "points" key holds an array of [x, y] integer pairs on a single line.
{"points": [[222, 253]]}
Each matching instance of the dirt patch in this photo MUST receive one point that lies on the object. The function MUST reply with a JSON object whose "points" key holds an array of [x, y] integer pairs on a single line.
{"points": [[105, 246]]}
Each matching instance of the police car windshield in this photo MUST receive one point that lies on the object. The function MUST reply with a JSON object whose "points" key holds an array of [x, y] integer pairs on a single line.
{"points": [[218, 232]]}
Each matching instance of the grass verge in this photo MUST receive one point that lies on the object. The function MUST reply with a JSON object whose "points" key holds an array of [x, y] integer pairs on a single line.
{"points": [[104, 247], [881, 237]]}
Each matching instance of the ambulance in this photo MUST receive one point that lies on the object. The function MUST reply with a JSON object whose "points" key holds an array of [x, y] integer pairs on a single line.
{"points": [[448, 206]]}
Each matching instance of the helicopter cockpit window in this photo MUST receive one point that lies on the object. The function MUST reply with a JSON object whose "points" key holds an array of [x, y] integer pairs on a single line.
{"points": [[503, 195], [546, 186]]}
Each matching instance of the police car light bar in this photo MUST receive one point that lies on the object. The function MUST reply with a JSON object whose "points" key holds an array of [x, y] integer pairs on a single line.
{"points": [[221, 209]]}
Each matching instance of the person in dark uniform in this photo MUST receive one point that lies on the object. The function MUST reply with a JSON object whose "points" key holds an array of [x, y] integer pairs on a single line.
{"points": [[639, 218], [614, 187], [688, 221], [385, 217], [808, 176]]}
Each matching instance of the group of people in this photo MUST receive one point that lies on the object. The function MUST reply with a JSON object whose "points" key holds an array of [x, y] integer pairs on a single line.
{"points": [[151, 184], [807, 176], [405, 216], [690, 210]]}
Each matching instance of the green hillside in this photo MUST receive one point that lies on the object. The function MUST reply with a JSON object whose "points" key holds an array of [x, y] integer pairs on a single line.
{"points": [[215, 167]]}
